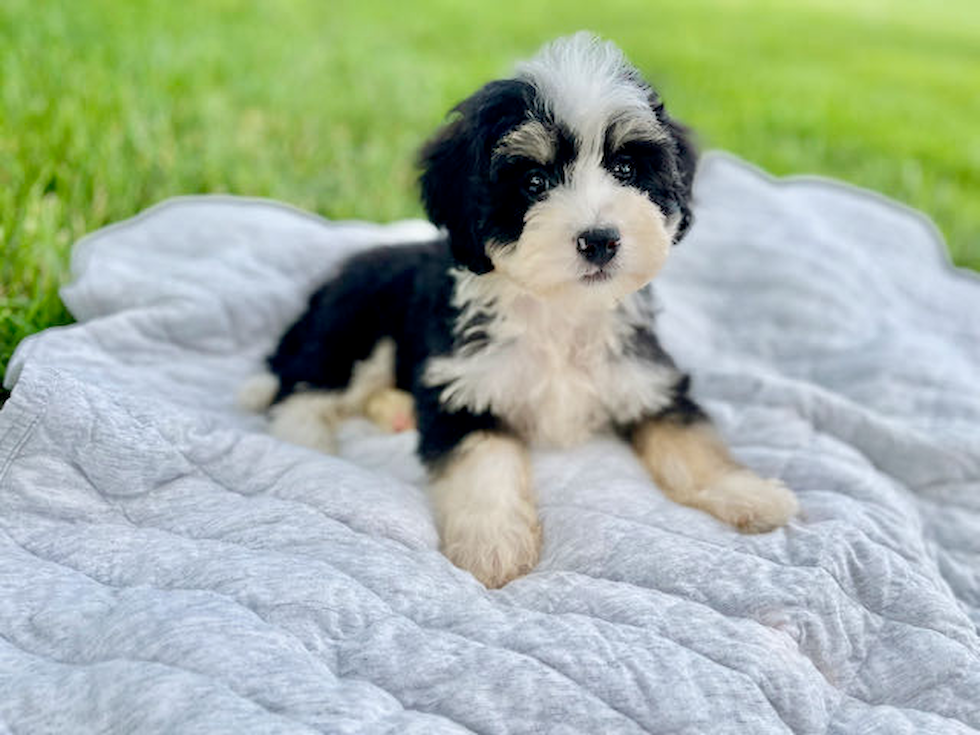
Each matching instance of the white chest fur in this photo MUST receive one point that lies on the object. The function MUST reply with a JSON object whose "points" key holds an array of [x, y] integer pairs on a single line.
{"points": [[554, 373]]}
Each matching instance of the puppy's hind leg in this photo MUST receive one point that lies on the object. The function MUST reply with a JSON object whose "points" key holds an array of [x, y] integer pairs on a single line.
{"points": [[306, 418], [690, 463], [372, 391], [391, 409], [310, 418], [258, 392]]}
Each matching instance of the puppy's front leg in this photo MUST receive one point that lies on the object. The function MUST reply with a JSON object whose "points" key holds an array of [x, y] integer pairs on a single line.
{"points": [[484, 507], [689, 462]]}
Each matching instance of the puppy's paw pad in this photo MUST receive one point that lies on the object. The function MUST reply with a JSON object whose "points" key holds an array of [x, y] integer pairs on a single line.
{"points": [[391, 409], [750, 503], [499, 557]]}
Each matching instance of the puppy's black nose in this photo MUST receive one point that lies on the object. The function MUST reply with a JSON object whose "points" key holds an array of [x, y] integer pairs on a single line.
{"points": [[599, 245]]}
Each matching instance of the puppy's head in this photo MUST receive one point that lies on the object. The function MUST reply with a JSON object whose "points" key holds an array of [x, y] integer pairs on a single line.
{"points": [[568, 179]]}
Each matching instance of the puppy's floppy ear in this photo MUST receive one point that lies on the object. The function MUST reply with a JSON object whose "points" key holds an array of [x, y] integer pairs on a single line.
{"points": [[449, 171], [686, 160], [456, 163]]}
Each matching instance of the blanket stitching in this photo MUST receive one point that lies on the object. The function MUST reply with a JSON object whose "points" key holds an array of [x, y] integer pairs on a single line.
{"points": [[174, 667], [200, 467], [858, 603], [841, 689], [663, 636], [883, 619], [229, 598], [520, 654], [846, 694], [902, 482], [361, 584], [393, 615], [28, 431], [838, 689]]}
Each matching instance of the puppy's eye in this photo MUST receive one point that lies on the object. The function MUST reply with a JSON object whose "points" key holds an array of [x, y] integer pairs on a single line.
{"points": [[536, 182], [623, 169]]}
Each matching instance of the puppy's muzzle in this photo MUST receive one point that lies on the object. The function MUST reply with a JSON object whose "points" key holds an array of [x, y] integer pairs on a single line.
{"points": [[598, 245]]}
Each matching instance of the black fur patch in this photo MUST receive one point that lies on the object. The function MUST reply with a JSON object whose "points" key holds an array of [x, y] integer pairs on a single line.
{"points": [[402, 292], [507, 196], [441, 431], [683, 409], [685, 162], [456, 162], [370, 298]]}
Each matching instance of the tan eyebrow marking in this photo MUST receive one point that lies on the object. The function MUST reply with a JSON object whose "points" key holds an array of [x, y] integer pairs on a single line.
{"points": [[629, 128], [531, 140]]}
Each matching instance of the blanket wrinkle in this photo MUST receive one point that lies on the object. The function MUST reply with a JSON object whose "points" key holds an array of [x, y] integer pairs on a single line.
{"points": [[217, 543], [201, 467], [721, 664], [814, 567], [163, 666], [116, 589]]}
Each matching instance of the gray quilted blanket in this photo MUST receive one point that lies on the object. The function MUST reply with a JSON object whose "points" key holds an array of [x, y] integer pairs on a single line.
{"points": [[166, 566]]}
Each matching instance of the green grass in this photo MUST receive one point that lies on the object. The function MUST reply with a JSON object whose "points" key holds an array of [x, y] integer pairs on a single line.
{"points": [[109, 106]]}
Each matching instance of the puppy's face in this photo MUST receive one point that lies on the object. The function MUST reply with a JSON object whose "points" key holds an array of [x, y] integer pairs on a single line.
{"points": [[569, 179]]}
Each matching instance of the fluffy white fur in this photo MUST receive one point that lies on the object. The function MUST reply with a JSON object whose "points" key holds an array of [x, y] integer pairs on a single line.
{"points": [[555, 372], [485, 510], [587, 83]]}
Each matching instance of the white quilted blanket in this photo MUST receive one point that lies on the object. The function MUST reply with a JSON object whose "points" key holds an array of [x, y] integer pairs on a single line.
{"points": [[165, 566]]}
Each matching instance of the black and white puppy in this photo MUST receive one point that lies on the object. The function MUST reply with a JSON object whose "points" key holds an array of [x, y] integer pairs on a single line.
{"points": [[530, 323]]}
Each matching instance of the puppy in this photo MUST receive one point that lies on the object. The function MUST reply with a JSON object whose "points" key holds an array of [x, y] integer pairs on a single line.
{"points": [[530, 323]]}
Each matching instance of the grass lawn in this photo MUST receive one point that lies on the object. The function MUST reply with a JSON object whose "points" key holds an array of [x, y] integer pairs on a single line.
{"points": [[107, 106]]}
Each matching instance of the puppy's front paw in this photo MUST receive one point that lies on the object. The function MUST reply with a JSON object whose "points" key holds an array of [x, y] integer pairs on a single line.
{"points": [[485, 509], [748, 502], [495, 551]]}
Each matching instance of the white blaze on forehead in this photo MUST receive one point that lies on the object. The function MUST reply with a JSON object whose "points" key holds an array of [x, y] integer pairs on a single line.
{"points": [[587, 84]]}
